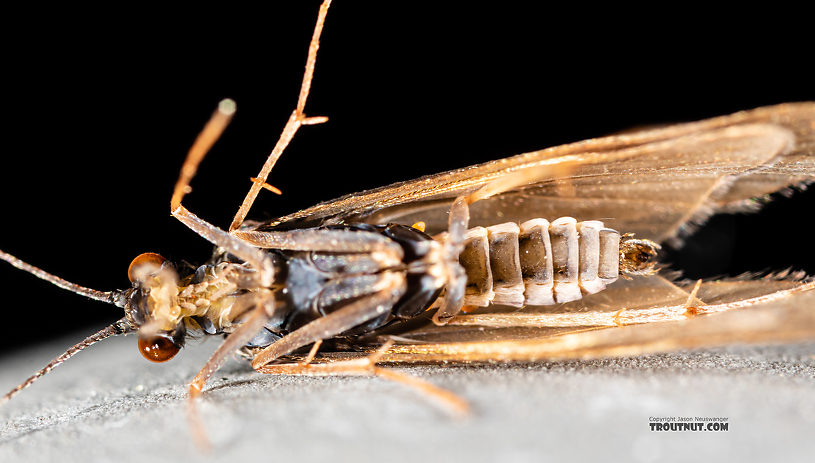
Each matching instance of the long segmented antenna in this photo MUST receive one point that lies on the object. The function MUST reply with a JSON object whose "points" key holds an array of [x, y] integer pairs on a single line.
{"points": [[119, 327], [111, 297]]}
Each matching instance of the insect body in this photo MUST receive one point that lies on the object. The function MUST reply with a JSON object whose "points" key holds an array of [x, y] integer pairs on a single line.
{"points": [[308, 285], [531, 265], [350, 268]]}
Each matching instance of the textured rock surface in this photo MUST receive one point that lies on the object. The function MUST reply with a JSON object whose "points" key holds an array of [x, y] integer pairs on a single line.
{"points": [[108, 404]]}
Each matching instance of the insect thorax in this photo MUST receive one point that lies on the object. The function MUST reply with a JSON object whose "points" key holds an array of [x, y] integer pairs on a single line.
{"points": [[312, 284], [319, 283], [209, 298]]}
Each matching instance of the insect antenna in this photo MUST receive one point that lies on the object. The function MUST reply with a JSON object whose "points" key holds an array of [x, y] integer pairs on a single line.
{"points": [[117, 298], [119, 327], [111, 297]]}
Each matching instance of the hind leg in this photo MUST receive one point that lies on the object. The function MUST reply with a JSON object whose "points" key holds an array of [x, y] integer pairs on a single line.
{"points": [[385, 293], [366, 366]]}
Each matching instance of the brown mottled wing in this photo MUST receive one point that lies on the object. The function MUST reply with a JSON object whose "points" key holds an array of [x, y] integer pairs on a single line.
{"points": [[652, 183]]}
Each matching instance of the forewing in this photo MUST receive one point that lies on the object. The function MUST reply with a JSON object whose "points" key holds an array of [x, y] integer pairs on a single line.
{"points": [[781, 314], [626, 303], [784, 320], [652, 183]]}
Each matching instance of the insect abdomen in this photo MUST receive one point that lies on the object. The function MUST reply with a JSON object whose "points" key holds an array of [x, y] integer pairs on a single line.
{"points": [[538, 262]]}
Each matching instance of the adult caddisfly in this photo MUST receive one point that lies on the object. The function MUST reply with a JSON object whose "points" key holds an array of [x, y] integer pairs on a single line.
{"points": [[353, 269]]}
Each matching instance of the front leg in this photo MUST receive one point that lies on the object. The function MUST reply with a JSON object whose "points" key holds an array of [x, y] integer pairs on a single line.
{"points": [[325, 240], [388, 290], [212, 130], [262, 312]]}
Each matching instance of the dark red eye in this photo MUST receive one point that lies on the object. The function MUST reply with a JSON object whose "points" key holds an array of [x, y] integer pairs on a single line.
{"points": [[158, 347], [147, 258]]}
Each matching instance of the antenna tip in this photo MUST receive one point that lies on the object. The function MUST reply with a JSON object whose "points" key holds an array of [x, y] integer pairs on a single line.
{"points": [[227, 107]]}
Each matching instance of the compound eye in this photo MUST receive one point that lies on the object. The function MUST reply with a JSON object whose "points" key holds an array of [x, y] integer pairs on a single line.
{"points": [[158, 347], [142, 261]]}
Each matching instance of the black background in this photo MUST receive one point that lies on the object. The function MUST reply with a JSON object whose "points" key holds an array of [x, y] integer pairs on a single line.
{"points": [[100, 113]]}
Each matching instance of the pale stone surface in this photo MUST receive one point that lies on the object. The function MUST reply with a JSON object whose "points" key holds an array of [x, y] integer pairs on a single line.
{"points": [[108, 404]]}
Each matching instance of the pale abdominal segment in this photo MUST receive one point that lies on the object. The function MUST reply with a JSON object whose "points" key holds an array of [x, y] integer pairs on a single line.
{"points": [[543, 263]]}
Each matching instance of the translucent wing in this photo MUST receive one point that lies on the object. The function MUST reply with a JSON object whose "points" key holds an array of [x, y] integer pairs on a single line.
{"points": [[786, 319], [652, 183], [749, 311]]}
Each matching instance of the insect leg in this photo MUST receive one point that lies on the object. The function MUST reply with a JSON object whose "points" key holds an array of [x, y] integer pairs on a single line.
{"points": [[673, 304], [313, 352], [298, 118], [367, 367], [254, 256], [207, 138], [212, 130], [457, 277], [388, 290], [692, 304], [320, 240], [264, 309], [237, 339]]}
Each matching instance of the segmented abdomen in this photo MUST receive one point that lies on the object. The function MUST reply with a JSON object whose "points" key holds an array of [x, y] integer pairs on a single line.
{"points": [[539, 263]]}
